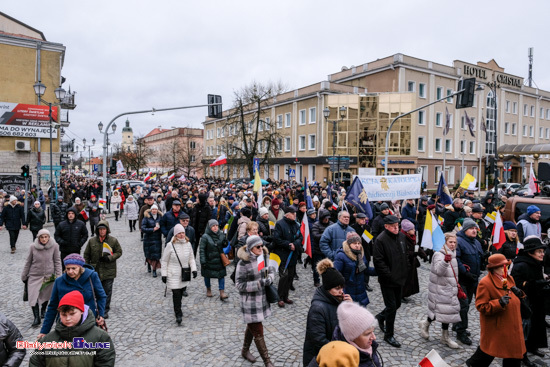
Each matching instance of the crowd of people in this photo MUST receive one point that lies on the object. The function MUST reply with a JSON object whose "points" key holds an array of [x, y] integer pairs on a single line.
{"points": [[198, 226]]}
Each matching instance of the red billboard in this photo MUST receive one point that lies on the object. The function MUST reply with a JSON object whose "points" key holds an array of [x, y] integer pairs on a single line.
{"points": [[26, 120]]}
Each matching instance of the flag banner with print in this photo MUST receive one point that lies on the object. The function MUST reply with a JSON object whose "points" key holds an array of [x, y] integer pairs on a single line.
{"points": [[386, 188], [119, 167], [357, 196]]}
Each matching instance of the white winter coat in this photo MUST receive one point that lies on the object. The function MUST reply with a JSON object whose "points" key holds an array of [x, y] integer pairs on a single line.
{"points": [[115, 202], [170, 267], [443, 304], [131, 208]]}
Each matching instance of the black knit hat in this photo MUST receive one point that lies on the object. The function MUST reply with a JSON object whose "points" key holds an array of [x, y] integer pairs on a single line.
{"points": [[330, 275]]}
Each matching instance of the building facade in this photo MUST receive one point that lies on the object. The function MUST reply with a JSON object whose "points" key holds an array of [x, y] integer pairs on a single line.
{"points": [[373, 94], [127, 143]]}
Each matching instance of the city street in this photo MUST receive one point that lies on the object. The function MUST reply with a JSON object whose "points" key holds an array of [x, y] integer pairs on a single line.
{"points": [[143, 328]]}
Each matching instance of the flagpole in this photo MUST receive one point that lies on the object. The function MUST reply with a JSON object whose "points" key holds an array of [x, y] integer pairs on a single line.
{"points": [[479, 176], [462, 174]]}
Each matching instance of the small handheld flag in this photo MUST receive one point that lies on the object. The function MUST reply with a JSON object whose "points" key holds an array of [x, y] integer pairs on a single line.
{"points": [[107, 249], [367, 236], [498, 232], [433, 359], [274, 261], [84, 214], [261, 261], [306, 242]]}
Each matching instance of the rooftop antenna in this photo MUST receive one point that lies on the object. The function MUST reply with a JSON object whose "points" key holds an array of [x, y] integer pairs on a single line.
{"points": [[530, 77]]}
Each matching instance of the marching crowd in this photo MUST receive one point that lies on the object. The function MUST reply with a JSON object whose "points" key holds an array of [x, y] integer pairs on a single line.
{"points": [[69, 274]]}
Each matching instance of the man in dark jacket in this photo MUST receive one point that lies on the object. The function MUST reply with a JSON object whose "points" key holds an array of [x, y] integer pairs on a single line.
{"points": [[335, 235], [451, 215], [377, 225], [318, 229], [469, 255], [171, 218], [264, 230], [287, 242], [321, 317], [409, 212], [10, 355], [13, 217], [360, 226], [201, 215], [71, 234], [58, 211], [422, 210], [390, 262]]}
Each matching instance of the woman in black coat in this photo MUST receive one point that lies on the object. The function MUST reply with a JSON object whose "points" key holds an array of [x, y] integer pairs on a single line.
{"points": [[527, 272], [36, 217], [152, 238]]}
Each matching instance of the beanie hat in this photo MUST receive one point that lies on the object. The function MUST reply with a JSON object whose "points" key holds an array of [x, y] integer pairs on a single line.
{"points": [[42, 232], [12, 198], [263, 211], [74, 299], [37, 202], [154, 206], [468, 223], [178, 228], [509, 225], [353, 237], [212, 223], [253, 241], [74, 259], [531, 209], [431, 206], [310, 211], [384, 206], [338, 354], [331, 276], [353, 320], [406, 225], [275, 202], [302, 203]]}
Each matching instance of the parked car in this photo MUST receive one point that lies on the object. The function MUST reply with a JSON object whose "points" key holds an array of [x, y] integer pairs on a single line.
{"points": [[522, 190]]}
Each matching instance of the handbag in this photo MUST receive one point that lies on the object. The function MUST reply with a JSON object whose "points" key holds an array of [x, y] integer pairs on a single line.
{"points": [[104, 325], [525, 309], [185, 272], [26, 291], [271, 294], [225, 260]]}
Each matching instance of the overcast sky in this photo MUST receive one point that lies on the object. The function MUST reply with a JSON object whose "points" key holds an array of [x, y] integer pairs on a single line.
{"points": [[127, 55]]}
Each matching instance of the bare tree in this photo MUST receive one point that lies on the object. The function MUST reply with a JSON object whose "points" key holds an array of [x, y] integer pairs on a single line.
{"points": [[251, 133], [137, 158], [190, 154], [167, 156]]}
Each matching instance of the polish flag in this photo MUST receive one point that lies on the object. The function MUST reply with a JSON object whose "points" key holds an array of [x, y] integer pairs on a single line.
{"points": [[433, 359], [171, 177], [222, 159], [84, 214], [306, 242], [147, 177], [533, 187], [133, 174], [261, 261], [498, 232], [182, 178]]}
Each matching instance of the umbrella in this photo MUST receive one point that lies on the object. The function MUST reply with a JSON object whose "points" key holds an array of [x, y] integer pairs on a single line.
{"points": [[264, 182]]}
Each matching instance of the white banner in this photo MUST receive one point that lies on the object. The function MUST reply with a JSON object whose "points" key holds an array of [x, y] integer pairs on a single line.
{"points": [[119, 168], [386, 188]]}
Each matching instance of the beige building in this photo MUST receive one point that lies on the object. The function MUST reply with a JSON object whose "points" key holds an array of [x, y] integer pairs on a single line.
{"points": [[127, 143], [27, 58], [373, 94]]}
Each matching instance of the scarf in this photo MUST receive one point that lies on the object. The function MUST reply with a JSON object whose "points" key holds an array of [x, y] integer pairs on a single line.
{"points": [[367, 351], [411, 237], [359, 263], [275, 211]]}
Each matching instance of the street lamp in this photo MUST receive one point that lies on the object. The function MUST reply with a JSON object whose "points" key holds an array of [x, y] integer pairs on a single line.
{"points": [[59, 92], [493, 86], [89, 154], [105, 149], [326, 114]]}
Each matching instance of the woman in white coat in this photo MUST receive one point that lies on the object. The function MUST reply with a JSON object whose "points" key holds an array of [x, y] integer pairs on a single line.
{"points": [[116, 200], [132, 212], [443, 304], [178, 254]]}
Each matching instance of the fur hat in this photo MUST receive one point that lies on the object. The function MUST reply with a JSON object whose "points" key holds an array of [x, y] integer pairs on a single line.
{"points": [[43, 232], [353, 320], [352, 237], [330, 275]]}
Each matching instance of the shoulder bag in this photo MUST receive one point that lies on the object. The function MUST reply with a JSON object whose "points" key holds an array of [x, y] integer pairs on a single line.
{"points": [[185, 272], [104, 326], [460, 294]]}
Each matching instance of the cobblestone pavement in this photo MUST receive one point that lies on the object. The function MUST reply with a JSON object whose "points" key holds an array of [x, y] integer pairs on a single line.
{"points": [[142, 322]]}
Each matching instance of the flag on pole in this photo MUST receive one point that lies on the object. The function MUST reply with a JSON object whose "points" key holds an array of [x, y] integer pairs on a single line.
{"points": [[491, 217], [443, 192], [171, 177], [154, 177], [498, 233], [164, 176], [533, 187], [433, 236], [483, 126], [309, 202], [440, 220], [107, 249], [447, 122], [357, 196], [274, 261], [469, 123], [261, 261], [433, 359], [306, 241], [133, 174], [222, 159], [182, 178], [258, 185], [147, 177], [467, 182], [329, 195]]}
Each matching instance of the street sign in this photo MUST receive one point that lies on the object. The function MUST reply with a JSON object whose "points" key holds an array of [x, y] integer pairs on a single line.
{"points": [[54, 168], [95, 167], [338, 163], [383, 162], [291, 172]]}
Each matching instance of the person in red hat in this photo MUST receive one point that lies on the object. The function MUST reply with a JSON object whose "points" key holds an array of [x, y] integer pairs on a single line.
{"points": [[76, 325]]}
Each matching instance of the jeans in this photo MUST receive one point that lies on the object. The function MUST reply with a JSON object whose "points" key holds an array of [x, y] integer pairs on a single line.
{"points": [[285, 281], [14, 234], [392, 301], [108, 288], [469, 289], [482, 359], [221, 283]]}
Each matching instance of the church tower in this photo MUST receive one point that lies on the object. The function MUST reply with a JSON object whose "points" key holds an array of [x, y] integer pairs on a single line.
{"points": [[127, 137]]}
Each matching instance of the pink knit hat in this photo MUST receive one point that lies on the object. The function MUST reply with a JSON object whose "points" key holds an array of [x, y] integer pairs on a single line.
{"points": [[353, 320]]}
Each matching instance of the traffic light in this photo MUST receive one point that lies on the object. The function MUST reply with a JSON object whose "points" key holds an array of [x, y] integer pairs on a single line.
{"points": [[112, 170], [25, 171], [287, 171], [466, 98], [216, 110]]}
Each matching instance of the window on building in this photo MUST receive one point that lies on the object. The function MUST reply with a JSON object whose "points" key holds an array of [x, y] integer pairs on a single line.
{"points": [[437, 174], [438, 94], [463, 123], [438, 145], [312, 115], [525, 109], [287, 144], [312, 142], [279, 144], [472, 147], [267, 124], [449, 99], [507, 128], [279, 121], [218, 132], [524, 130], [288, 119], [474, 172], [547, 133], [192, 159], [302, 142], [515, 108], [531, 131], [420, 143], [490, 113], [541, 113], [438, 119], [411, 86], [541, 133], [421, 117], [192, 145], [548, 114], [422, 90], [448, 145], [302, 117], [462, 147], [532, 111], [507, 106], [312, 172], [261, 125], [514, 128]]}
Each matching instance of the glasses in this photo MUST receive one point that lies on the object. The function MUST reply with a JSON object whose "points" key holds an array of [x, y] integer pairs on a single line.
{"points": [[259, 246]]}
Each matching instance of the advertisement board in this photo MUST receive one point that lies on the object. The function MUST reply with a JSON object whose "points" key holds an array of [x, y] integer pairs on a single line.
{"points": [[26, 120], [10, 183]]}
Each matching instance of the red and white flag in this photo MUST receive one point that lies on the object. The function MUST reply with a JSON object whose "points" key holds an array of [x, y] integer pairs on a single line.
{"points": [[533, 187], [261, 261], [433, 359], [171, 177], [182, 178], [84, 214], [498, 232], [222, 159], [306, 241], [148, 176], [133, 174]]}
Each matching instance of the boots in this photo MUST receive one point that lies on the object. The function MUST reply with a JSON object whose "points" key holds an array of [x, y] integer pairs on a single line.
{"points": [[154, 273], [425, 329], [445, 339], [148, 267], [223, 296], [44, 308], [262, 349], [36, 313], [245, 353], [208, 292]]}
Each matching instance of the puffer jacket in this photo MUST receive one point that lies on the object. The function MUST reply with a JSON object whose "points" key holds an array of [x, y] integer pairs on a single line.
{"points": [[528, 227], [152, 240], [131, 208], [116, 202], [86, 330], [170, 266], [254, 305], [59, 211], [317, 231], [94, 252], [169, 221], [470, 253], [265, 230], [10, 356], [211, 246], [333, 238], [321, 322], [71, 236], [443, 304], [36, 218], [13, 217]]}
